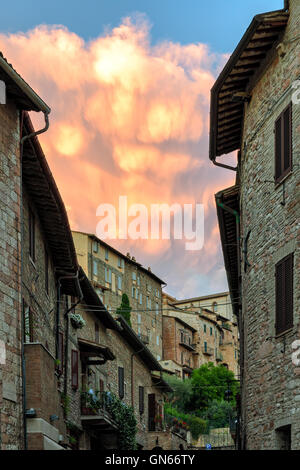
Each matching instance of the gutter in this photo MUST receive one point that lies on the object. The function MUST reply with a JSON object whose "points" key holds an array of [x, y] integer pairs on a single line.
{"points": [[27, 90]]}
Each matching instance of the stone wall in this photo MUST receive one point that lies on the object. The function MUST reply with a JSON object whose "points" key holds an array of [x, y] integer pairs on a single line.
{"points": [[271, 397], [11, 422]]}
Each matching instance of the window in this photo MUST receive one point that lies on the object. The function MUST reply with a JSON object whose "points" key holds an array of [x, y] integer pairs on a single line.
{"points": [[60, 351], [182, 358], [74, 368], [96, 333], [283, 438], [284, 294], [133, 275], [283, 144], [95, 268], [95, 246], [204, 328], [107, 273], [106, 254], [31, 235], [211, 331], [205, 346], [101, 385], [119, 262], [28, 326], [157, 340], [141, 400], [215, 307], [121, 382], [158, 357], [138, 280], [139, 318], [141, 298], [46, 271], [139, 331], [133, 292], [156, 308]]}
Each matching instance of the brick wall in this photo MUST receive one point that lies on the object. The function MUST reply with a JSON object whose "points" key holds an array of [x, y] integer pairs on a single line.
{"points": [[271, 397]]}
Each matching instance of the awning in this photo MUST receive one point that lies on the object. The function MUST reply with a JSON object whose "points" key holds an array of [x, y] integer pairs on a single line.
{"points": [[91, 349]]}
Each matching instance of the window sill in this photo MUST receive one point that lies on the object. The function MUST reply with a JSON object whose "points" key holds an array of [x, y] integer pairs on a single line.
{"points": [[286, 332], [284, 178]]}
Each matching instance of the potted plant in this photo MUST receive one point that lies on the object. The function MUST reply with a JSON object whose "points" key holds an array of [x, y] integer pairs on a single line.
{"points": [[77, 320]]}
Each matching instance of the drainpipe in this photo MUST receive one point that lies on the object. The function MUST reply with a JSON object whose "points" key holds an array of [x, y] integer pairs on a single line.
{"points": [[222, 165], [23, 361], [67, 334], [132, 375]]}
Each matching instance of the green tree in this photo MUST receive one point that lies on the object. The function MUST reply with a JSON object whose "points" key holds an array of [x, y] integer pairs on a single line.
{"points": [[219, 414], [182, 395], [125, 309], [213, 383]]}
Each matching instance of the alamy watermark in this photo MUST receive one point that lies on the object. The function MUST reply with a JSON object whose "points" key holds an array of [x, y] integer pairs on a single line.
{"points": [[296, 353], [2, 352], [2, 92], [162, 221]]}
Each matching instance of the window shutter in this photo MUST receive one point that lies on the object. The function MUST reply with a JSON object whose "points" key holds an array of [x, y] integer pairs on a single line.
{"points": [[74, 366], [141, 400], [283, 144], [284, 294], [96, 333], [121, 381], [287, 139], [278, 148], [101, 385]]}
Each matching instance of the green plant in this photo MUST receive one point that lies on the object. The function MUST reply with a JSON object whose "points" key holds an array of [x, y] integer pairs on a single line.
{"points": [[124, 309], [65, 401], [190, 422], [72, 440], [124, 417]]}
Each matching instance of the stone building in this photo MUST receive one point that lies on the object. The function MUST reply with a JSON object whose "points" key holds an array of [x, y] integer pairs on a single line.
{"points": [[19, 97], [215, 338], [113, 274], [255, 110], [113, 361]]}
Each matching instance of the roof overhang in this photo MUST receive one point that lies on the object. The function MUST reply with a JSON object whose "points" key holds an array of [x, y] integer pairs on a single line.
{"points": [[92, 349], [138, 346], [160, 383], [228, 232], [19, 91], [43, 192], [234, 84]]}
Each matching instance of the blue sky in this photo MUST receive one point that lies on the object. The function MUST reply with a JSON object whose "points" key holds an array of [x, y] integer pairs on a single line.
{"points": [[219, 23]]}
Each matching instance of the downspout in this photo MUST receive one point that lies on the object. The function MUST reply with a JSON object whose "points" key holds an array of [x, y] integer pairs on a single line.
{"points": [[132, 375], [67, 335], [222, 165], [22, 140]]}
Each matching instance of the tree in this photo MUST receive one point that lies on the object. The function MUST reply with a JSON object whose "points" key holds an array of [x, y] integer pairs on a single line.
{"points": [[219, 414], [213, 383], [181, 397], [125, 309]]}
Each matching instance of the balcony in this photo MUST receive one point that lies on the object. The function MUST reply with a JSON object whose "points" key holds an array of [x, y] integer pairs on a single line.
{"points": [[219, 357], [187, 344], [207, 350], [95, 411]]}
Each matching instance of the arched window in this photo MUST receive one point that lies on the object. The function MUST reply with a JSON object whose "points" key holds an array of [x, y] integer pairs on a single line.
{"points": [[215, 307]]}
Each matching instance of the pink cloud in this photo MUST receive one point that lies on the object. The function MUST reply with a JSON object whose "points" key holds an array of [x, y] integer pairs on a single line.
{"points": [[129, 118]]}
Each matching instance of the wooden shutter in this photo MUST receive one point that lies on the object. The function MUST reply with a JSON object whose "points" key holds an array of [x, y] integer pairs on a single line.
{"points": [[74, 367], [283, 144], [121, 381], [284, 294], [28, 323], [101, 385], [96, 332], [151, 411], [141, 400]]}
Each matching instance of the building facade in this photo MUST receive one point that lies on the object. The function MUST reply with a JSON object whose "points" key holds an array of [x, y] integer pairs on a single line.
{"points": [[214, 338], [255, 110], [113, 274]]}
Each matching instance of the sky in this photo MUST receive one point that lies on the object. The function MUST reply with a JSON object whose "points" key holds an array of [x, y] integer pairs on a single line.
{"points": [[128, 83]]}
